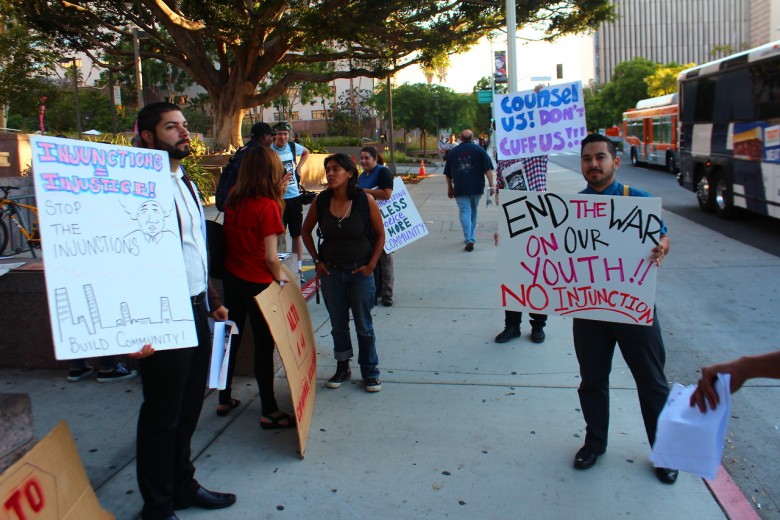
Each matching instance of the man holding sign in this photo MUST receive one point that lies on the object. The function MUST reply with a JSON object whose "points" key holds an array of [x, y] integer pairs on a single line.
{"points": [[174, 381], [594, 341]]}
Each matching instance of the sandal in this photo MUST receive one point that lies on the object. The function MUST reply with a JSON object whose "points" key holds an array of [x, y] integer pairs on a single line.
{"points": [[277, 421], [224, 409]]}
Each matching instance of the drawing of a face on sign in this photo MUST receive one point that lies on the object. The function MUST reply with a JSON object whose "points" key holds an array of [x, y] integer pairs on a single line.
{"points": [[150, 217]]}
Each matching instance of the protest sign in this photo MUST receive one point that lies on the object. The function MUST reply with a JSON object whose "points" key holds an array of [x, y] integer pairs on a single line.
{"points": [[287, 316], [115, 276], [403, 223], [581, 256], [49, 482], [546, 122]]}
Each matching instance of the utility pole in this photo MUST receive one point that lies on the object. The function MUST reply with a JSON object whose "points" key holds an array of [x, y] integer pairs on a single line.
{"points": [[511, 45], [76, 95], [391, 136]]}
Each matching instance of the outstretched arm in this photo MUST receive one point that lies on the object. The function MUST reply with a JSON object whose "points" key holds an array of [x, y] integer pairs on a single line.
{"points": [[741, 369]]}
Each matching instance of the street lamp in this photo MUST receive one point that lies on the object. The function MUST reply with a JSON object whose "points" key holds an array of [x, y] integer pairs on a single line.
{"points": [[436, 107]]}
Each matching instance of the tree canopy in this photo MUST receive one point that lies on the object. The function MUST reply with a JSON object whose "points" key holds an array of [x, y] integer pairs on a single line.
{"points": [[664, 80], [229, 47]]}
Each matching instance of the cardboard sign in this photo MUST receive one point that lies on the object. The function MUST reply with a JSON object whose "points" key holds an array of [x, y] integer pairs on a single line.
{"points": [[115, 276], [287, 316], [581, 256], [49, 483], [403, 223], [547, 122]]}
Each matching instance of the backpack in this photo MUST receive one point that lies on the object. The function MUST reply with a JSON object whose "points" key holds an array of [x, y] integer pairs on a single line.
{"points": [[323, 204], [230, 173]]}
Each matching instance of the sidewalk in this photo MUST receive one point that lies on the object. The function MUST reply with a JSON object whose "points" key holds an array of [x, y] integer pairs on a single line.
{"points": [[463, 428]]}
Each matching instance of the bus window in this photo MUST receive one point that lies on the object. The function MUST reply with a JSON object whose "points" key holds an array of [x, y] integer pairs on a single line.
{"points": [[688, 101], [766, 90], [705, 98], [730, 107]]}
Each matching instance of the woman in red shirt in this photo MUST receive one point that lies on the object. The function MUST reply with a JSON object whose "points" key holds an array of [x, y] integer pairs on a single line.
{"points": [[252, 223]]}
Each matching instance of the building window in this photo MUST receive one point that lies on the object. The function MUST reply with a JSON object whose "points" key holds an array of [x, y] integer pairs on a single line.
{"points": [[320, 114], [295, 116]]}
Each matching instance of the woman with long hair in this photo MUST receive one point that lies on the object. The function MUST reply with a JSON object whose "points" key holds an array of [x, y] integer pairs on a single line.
{"points": [[253, 221], [352, 239]]}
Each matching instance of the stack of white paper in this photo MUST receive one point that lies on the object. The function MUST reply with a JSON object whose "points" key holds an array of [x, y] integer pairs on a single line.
{"points": [[686, 438]]}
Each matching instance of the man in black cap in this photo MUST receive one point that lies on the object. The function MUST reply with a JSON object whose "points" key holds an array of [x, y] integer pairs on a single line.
{"points": [[261, 134]]}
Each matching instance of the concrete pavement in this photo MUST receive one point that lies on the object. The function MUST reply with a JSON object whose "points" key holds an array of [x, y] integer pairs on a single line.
{"points": [[463, 427]]}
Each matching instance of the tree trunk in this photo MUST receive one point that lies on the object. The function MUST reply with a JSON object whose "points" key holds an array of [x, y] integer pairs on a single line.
{"points": [[228, 116]]}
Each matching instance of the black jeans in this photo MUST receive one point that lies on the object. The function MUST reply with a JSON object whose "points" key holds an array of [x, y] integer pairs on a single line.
{"points": [[642, 348], [513, 319], [174, 384], [240, 299]]}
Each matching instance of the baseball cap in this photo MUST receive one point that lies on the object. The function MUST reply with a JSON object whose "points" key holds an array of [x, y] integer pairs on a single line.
{"points": [[260, 129], [283, 126]]}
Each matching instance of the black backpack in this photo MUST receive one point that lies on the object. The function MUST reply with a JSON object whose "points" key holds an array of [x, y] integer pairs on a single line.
{"points": [[230, 173]]}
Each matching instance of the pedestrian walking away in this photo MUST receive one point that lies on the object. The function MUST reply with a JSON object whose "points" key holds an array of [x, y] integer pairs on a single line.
{"points": [[594, 341], [353, 236], [466, 168], [174, 381]]}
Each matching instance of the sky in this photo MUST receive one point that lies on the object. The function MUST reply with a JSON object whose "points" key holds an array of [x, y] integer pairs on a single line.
{"points": [[535, 60]]}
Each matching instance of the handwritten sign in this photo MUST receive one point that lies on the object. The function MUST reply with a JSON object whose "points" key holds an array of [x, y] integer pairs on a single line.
{"points": [[582, 256], [115, 276], [547, 122], [287, 316], [403, 223]]}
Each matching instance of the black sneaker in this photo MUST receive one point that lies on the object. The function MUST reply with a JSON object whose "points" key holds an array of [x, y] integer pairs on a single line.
{"points": [[77, 374], [120, 373], [387, 301], [372, 384], [341, 376], [507, 334], [537, 334]]}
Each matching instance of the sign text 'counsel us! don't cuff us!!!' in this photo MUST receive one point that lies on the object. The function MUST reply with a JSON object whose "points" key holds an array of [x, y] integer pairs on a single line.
{"points": [[546, 122]]}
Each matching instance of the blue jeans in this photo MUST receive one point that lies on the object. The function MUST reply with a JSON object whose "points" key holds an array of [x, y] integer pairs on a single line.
{"points": [[343, 291], [467, 207]]}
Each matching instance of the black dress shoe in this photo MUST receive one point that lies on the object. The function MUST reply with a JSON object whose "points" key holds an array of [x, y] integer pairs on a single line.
{"points": [[586, 457], [507, 334], [666, 475], [205, 499], [537, 334]]}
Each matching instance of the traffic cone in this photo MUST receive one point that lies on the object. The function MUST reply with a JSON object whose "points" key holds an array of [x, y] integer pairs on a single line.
{"points": [[422, 168]]}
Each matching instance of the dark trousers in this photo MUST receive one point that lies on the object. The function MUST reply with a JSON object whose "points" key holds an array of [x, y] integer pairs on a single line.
{"points": [[642, 348], [174, 383], [513, 319], [240, 299]]}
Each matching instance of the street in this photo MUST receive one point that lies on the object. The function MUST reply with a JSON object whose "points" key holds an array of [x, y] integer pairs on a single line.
{"points": [[728, 313]]}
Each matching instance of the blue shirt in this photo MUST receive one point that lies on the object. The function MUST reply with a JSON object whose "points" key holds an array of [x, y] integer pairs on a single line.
{"points": [[616, 189], [288, 161], [466, 165], [380, 177]]}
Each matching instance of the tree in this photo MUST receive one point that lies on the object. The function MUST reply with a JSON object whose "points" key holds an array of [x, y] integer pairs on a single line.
{"points": [[664, 80], [426, 107], [483, 121], [626, 88], [25, 62], [229, 47], [351, 110], [598, 113]]}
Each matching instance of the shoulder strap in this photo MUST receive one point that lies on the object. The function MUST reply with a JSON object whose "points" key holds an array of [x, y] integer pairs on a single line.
{"points": [[323, 203], [292, 150], [365, 213], [625, 190]]}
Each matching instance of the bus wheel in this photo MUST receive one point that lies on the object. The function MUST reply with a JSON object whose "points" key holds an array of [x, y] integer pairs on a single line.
{"points": [[671, 164], [634, 157], [724, 196], [705, 194]]}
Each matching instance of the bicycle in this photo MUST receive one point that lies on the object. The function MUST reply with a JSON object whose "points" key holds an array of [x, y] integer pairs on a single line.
{"points": [[14, 211]]}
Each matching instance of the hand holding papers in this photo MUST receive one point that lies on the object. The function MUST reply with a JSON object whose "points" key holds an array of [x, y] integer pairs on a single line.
{"points": [[688, 439]]}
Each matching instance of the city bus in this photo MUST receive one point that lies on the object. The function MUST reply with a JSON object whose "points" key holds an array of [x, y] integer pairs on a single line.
{"points": [[650, 132], [730, 132]]}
